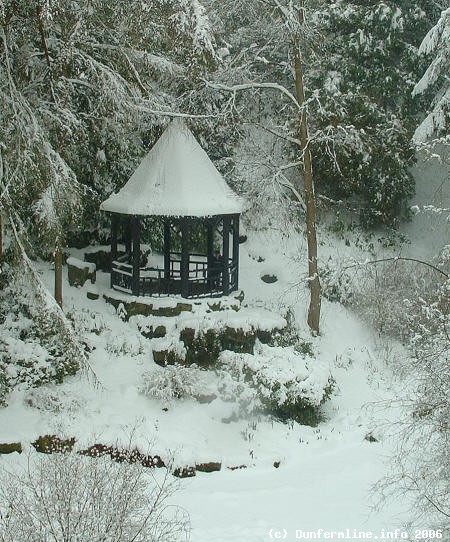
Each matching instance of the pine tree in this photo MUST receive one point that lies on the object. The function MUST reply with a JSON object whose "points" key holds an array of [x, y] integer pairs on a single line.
{"points": [[436, 81]]}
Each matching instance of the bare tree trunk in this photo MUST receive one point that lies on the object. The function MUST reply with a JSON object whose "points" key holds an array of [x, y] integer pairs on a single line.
{"points": [[1, 236], [310, 202], [58, 276], [58, 252]]}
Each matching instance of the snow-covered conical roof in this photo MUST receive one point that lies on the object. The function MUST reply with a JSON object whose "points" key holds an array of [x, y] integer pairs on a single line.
{"points": [[176, 178]]}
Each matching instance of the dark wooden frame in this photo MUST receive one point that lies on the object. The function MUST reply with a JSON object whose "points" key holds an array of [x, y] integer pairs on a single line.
{"points": [[195, 275]]}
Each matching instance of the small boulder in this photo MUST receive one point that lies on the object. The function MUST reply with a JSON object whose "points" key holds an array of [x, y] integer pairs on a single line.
{"points": [[10, 447], [79, 272], [212, 466], [92, 293], [269, 279], [184, 472]]}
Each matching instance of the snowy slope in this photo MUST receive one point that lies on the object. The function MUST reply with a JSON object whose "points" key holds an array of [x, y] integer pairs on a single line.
{"points": [[325, 473]]}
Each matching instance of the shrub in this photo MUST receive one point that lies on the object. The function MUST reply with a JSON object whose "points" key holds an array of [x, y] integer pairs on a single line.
{"points": [[86, 321], [37, 344], [125, 345], [278, 380], [77, 499], [174, 382], [393, 296], [49, 398], [421, 463]]}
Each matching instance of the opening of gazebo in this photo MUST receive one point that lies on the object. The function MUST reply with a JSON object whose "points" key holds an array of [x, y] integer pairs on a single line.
{"points": [[175, 223]]}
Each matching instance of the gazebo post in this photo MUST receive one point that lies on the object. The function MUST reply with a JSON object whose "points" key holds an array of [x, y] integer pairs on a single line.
{"points": [[209, 248], [226, 254], [127, 234], [184, 266], [114, 230], [236, 250], [167, 248], [136, 259]]}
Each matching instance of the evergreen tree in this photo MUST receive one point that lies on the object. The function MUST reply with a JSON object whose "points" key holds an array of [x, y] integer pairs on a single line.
{"points": [[436, 81], [367, 110]]}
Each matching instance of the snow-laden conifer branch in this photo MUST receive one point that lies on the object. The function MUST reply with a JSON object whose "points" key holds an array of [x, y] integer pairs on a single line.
{"points": [[140, 106], [436, 42]]}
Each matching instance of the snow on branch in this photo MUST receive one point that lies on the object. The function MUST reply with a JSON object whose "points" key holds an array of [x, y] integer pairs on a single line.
{"points": [[402, 259], [437, 41], [253, 86]]}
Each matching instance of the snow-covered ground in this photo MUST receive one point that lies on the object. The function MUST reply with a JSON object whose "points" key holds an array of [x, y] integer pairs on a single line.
{"points": [[325, 473]]}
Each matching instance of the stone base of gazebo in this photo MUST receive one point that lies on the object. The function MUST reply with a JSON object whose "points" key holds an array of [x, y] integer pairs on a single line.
{"points": [[170, 306]]}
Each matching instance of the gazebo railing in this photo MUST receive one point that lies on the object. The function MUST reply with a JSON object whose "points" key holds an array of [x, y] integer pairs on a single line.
{"points": [[202, 281], [121, 275]]}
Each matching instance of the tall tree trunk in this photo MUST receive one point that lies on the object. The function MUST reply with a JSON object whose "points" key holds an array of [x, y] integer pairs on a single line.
{"points": [[310, 202], [58, 276], [1, 236]]}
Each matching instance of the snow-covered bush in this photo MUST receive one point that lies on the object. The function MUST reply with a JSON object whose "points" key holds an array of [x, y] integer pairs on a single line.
{"points": [[174, 382], [290, 336], [278, 380], [77, 499], [130, 345], [36, 346], [337, 285], [85, 321], [51, 399]]}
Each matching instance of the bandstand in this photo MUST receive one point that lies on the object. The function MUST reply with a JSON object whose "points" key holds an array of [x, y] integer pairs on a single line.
{"points": [[175, 223]]}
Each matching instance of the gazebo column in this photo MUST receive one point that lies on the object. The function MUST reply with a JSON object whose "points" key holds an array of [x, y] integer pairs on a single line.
{"points": [[167, 248], [136, 258], [226, 254], [127, 234], [210, 248], [114, 232], [236, 250], [184, 266]]}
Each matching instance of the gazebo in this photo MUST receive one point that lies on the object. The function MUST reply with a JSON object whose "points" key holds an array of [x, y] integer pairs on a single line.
{"points": [[175, 223]]}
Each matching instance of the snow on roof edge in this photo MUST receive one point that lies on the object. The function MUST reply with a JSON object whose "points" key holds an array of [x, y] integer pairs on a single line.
{"points": [[176, 178]]}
